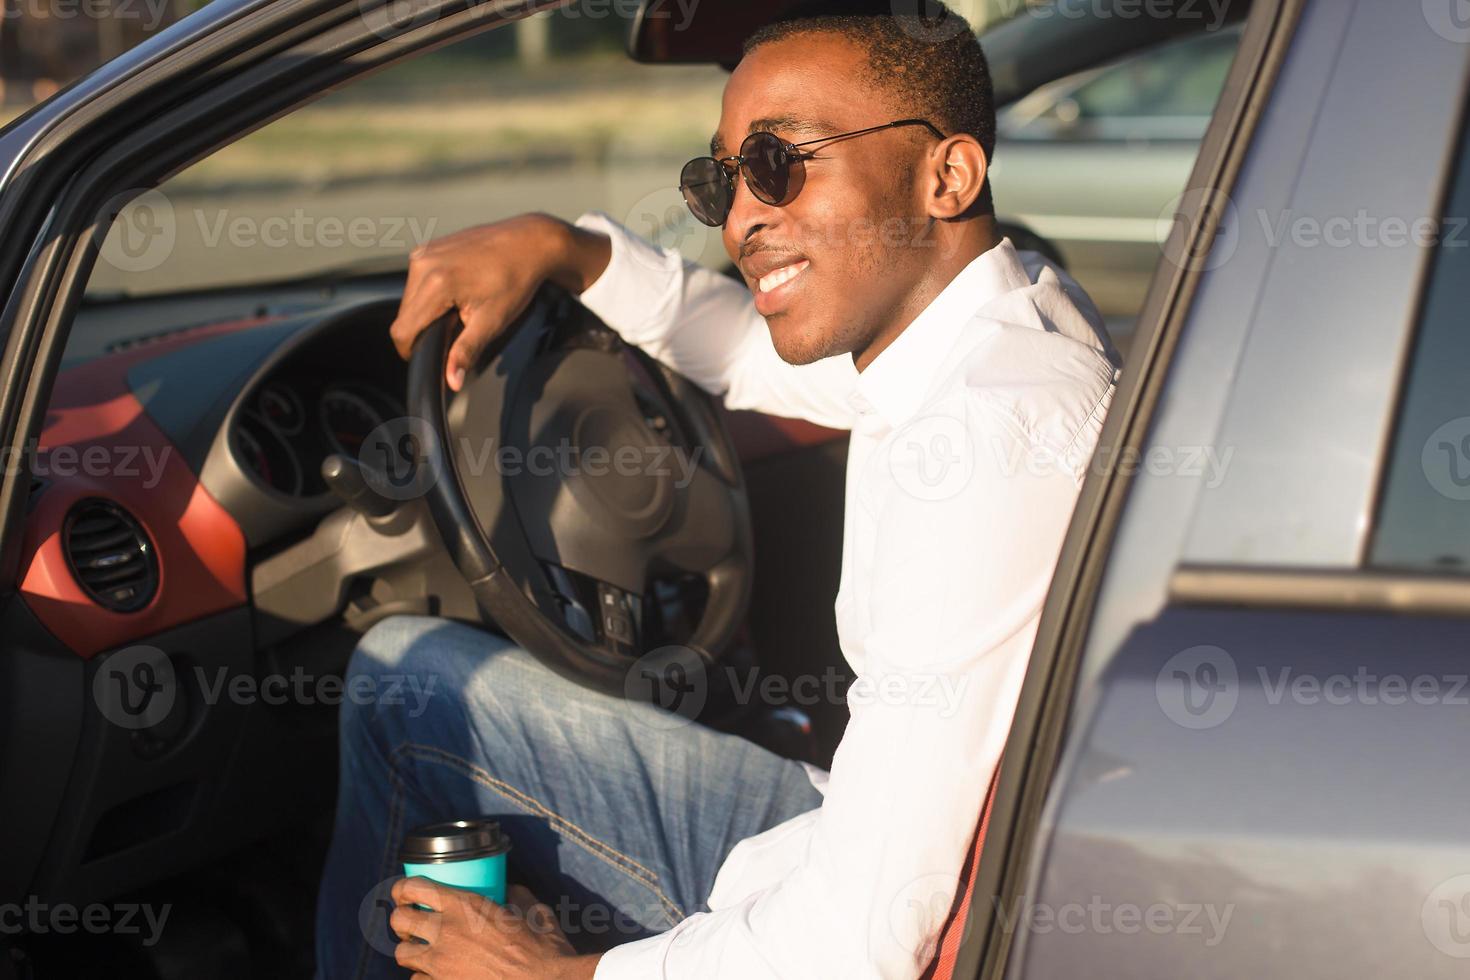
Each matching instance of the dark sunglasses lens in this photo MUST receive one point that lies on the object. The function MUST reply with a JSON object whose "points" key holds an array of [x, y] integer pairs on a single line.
{"points": [[767, 167], [706, 189]]}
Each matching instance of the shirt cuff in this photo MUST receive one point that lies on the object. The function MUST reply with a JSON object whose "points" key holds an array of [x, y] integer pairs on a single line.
{"points": [[637, 282]]}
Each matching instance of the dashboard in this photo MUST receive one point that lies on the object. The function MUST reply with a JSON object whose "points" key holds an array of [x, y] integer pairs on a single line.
{"points": [[205, 446], [317, 389], [181, 449], [294, 420], [217, 434]]}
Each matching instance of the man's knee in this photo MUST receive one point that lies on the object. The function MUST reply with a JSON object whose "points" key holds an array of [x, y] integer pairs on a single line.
{"points": [[396, 643], [408, 668], [405, 666]]}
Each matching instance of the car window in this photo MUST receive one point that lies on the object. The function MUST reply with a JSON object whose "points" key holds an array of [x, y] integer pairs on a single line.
{"points": [[493, 126], [547, 114], [1165, 92], [1424, 518], [1180, 79]]}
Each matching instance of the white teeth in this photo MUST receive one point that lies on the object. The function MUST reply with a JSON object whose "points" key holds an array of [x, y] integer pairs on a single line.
{"points": [[782, 276]]}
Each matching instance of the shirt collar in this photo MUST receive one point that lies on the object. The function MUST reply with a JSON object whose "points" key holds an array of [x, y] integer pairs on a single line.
{"points": [[895, 384]]}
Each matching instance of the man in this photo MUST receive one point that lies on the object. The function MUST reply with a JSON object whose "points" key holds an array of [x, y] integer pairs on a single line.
{"points": [[974, 380]]}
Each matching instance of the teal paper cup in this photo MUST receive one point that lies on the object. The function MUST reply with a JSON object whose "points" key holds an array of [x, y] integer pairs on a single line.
{"points": [[468, 854]]}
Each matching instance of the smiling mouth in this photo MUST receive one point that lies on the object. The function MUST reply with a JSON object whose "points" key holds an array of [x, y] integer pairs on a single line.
{"points": [[782, 276]]}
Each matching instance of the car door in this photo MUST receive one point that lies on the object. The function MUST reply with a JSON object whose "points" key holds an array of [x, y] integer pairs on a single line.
{"points": [[1238, 749], [92, 789]]}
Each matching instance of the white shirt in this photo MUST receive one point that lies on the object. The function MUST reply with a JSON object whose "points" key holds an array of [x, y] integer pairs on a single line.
{"points": [[970, 436]]}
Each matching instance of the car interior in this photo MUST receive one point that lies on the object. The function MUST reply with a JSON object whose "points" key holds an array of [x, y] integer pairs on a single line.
{"points": [[247, 532]]}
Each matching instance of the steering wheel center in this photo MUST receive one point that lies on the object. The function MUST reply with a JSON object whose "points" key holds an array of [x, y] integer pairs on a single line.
{"points": [[623, 470], [637, 538]]}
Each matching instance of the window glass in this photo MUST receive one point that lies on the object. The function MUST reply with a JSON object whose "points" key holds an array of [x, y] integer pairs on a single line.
{"points": [[1179, 79], [1424, 521], [544, 115], [547, 114], [1092, 162]]}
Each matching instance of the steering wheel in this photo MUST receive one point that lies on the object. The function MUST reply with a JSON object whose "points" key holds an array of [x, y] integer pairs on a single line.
{"points": [[590, 495]]}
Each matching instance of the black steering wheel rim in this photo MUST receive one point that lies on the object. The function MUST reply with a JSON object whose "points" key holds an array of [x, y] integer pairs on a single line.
{"points": [[557, 372]]}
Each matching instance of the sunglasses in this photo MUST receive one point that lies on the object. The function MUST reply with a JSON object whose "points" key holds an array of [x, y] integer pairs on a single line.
{"points": [[773, 170]]}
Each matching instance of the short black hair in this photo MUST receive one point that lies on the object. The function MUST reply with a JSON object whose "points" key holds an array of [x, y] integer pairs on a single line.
{"points": [[932, 62]]}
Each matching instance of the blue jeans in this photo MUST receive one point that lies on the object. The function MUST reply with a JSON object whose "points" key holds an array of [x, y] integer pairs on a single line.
{"points": [[619, 813]]}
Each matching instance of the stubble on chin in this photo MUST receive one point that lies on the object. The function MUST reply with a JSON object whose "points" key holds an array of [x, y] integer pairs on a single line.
{"points": [[802, 344]]}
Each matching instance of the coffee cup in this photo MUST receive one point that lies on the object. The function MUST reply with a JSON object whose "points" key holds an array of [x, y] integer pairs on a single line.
{"points": [[468, 854]]}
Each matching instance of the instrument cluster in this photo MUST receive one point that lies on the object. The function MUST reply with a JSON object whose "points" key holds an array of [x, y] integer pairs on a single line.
{"points": [[290, 424]]}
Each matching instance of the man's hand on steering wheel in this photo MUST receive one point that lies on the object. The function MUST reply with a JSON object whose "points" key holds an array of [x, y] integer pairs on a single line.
{"points": [[642, 508], [489, 273]]}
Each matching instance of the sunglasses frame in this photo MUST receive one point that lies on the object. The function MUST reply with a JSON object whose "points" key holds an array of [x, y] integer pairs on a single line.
{"points": [[732, 166]]}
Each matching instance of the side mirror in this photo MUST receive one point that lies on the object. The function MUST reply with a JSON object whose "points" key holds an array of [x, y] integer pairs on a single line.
{"points": [[1065, 117]]}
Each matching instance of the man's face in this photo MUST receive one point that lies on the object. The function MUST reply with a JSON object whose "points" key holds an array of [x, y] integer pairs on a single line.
{"points": [[855, 233]]}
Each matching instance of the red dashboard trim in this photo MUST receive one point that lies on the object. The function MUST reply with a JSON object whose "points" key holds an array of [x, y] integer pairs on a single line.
{"points": [[199, 546]]}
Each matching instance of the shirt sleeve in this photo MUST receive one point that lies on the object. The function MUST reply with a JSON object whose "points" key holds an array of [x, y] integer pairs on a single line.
{"points": [[952, 614], [704, 325]]}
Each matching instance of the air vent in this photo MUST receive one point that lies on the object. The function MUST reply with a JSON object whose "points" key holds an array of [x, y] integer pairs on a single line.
{"points": [[110, 555]]}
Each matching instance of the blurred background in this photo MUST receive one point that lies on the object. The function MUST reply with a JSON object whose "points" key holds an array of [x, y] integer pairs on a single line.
{"points": [[552, 116]]}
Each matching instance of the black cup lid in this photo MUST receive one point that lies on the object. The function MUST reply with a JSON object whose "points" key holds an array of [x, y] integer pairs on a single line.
{"points": [[456, 840]]}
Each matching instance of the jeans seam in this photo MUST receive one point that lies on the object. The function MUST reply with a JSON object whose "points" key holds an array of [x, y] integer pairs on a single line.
{"points": [[395, 819], [599, 849]]}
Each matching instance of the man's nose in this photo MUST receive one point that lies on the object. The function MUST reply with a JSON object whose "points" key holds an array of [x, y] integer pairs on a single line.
{"points": [[748, 215]]}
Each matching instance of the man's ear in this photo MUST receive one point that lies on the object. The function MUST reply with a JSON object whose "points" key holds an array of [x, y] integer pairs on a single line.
{"points": [[958, 169]]}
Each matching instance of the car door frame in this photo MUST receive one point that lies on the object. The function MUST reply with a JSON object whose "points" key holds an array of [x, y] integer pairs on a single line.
{"points": [[1036, 739], [66, 168]]}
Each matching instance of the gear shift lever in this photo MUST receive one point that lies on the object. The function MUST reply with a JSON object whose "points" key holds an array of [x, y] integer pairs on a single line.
{"points": [[344, 477]]}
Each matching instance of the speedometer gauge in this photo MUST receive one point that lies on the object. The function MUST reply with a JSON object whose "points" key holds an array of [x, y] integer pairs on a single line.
{"points": [[281, 407], [262, 452], [347, 419]]}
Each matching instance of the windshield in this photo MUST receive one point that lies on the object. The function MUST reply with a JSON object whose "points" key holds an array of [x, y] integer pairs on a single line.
{"points": [[414, 153], [547, 114]]}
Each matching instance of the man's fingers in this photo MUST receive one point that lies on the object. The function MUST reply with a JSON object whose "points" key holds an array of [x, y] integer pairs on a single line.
{"points": [[480, 327], [415, 313], [536, 914], [420, 891], [428, 293], [413, 956], [408, 923]]}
